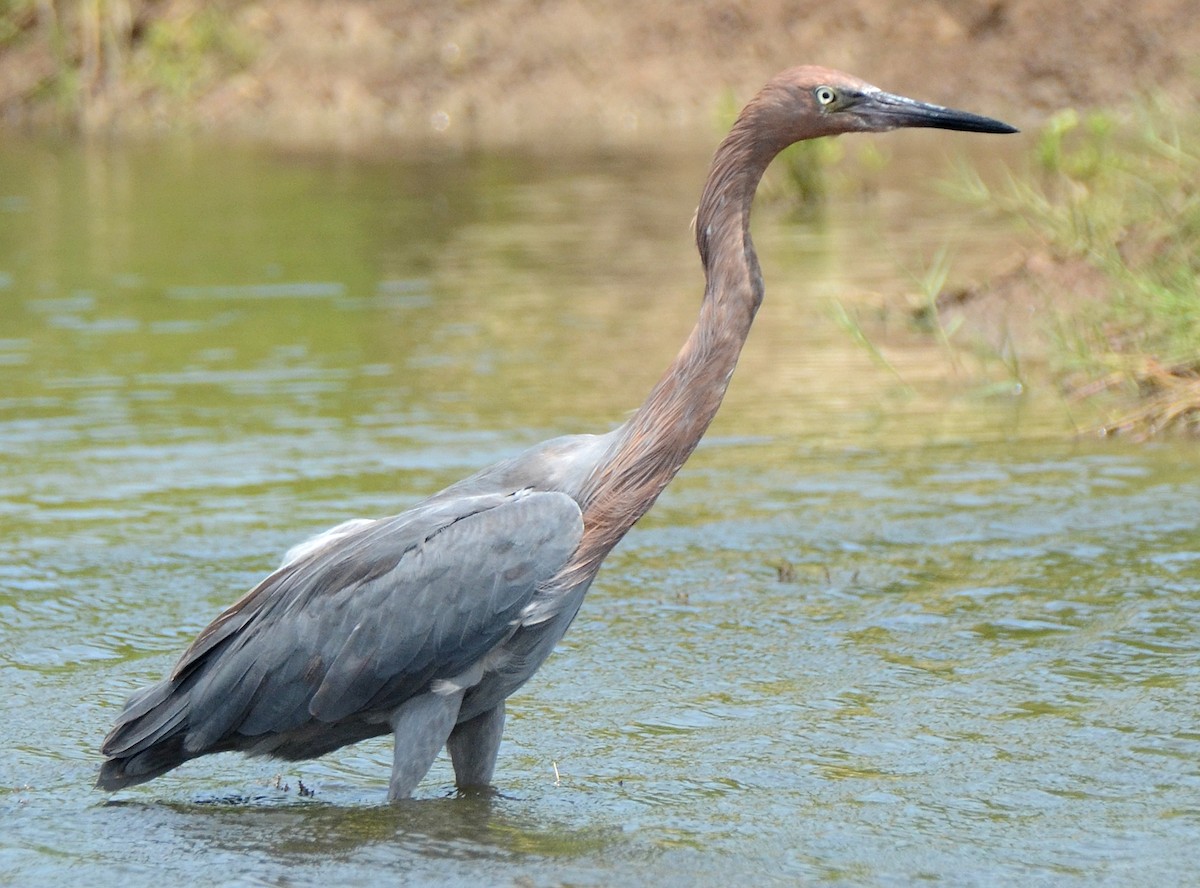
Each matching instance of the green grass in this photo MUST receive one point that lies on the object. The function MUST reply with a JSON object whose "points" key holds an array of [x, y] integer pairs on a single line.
{"points": [[103, 48], [1122, 193], [182, 55]]}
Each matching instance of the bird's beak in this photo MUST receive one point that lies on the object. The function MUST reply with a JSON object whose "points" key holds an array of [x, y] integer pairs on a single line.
{"points": [[885, 111]]}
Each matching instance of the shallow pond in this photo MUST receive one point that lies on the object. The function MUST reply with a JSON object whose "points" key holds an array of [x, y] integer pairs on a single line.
{"points": [[886, 626]]}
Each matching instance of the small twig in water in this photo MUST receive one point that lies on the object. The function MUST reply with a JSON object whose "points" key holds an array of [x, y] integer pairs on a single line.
{"points": [[557, 779]]}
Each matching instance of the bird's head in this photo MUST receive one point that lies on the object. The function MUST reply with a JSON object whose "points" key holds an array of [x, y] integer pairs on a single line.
{"points": [[810, 101]]}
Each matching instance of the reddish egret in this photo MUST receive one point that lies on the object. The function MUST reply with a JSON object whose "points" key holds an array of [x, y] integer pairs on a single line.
{"points": [[421, 625]]}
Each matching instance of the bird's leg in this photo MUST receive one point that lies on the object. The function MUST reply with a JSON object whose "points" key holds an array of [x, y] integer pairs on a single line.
{"points": [[421, 726], [473, 747]]}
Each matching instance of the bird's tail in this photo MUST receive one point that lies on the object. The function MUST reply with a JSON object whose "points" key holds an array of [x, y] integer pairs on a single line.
{"points": [[121, 771], [148, 739]]}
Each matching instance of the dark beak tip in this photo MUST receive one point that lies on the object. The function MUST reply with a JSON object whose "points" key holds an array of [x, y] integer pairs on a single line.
{"points": [[975, 125], [900, 111], [967, 122]]}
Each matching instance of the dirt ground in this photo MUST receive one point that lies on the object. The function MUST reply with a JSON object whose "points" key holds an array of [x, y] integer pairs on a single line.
{"points": [[498, 70], [506, 70]]}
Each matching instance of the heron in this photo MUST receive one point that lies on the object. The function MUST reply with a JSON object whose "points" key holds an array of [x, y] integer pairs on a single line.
{"points": [[422, 624]]}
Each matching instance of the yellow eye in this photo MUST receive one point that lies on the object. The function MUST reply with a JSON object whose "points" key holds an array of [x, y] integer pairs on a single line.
{"points": [[825, 95]]}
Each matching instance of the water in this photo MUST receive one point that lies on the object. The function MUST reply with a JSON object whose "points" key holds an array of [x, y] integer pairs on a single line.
{"points": [[889, 625]]}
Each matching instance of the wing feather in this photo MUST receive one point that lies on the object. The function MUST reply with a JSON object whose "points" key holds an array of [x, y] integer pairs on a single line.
{"points": [[468, 583], [364, 620]]}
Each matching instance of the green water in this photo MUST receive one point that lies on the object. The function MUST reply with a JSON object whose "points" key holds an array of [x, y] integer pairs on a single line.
{"points": [[884, 628]]}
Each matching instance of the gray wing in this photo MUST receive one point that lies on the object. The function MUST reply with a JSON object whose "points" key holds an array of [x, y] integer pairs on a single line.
{"points": [[362, 622]]}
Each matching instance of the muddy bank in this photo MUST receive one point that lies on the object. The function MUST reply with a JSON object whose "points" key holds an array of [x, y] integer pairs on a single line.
{"points": [[508, 71]]}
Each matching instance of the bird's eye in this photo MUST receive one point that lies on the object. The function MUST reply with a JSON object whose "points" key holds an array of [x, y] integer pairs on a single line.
{"points": [[825, 95]]}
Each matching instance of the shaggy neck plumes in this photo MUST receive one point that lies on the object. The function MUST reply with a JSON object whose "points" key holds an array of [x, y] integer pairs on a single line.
{"points": [[662, 434]]}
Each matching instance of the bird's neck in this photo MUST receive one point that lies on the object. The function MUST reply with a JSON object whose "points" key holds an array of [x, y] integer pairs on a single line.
{"points": [[656, 441]]}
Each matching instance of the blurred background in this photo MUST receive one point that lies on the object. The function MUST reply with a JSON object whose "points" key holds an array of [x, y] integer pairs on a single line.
{"points": [[526, 69]]}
